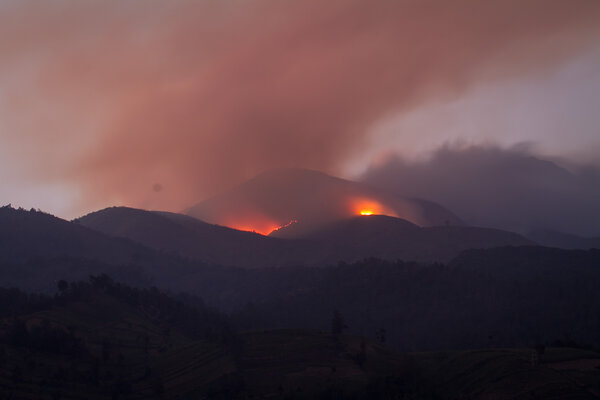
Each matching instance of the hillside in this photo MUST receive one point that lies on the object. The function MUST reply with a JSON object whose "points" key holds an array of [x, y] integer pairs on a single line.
{"points": [[500, 297], [347, 240], [34, 234], [104, 340], [560, 373], [101, 340], [563, 240], [313, 200], [391, 238], [192, 238]]}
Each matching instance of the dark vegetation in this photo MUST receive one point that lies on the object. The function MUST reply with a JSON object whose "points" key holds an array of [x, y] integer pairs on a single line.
{"points": [[327, 332], [505, 297], [100, 339]]}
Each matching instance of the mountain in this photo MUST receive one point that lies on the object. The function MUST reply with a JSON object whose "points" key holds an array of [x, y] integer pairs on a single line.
{"points": [[36, 249], [392, 238], [563, 240], [501, 188], [312, 200], [346, 240], [33, 234], [190, 237]]}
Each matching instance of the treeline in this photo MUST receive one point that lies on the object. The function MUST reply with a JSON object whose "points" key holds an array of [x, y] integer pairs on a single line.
{"points": [[506, 297], [184, 313], [503, 297], [101, 337]]}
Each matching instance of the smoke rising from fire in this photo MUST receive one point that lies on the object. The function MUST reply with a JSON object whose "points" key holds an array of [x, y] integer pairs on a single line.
{"points": [[119, 98]]}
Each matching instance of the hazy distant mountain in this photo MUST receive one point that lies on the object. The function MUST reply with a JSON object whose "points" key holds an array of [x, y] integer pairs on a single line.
{"points": [[397, 239], [311, 199], [507, 189], [193, 238], [564, 240]]}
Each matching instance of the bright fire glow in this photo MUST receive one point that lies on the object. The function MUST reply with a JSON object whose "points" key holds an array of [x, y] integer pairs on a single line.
{"points": [[262, 228], [367, 206]]}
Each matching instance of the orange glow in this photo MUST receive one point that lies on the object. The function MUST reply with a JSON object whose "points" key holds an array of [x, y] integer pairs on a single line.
{"points": [[263, 228], [366, 206]]}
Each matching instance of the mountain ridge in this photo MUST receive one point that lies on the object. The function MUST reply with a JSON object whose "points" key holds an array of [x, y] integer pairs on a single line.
{"points": [[276, 197]]}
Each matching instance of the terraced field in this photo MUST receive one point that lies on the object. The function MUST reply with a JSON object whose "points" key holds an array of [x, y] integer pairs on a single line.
{"points": [[107, 348], [561, 373]]}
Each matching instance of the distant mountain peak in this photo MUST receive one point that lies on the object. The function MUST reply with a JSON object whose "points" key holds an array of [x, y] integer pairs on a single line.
{"points": [[275, 197]]}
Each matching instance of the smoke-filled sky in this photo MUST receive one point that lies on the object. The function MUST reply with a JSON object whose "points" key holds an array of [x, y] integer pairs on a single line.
{"points": [[159, 104]]}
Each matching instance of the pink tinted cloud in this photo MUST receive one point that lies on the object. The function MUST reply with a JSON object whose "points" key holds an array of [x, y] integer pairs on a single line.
{"points": [[197, 96]]}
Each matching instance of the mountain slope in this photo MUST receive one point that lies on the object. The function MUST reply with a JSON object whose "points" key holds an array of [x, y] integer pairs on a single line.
{"points": [[347, 240], [312, 199], [193, 238], [391, 238], [564, 240], [29, 234], [507, 189]]}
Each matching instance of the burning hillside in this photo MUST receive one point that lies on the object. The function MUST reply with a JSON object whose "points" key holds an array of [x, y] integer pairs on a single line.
{"points": [[309, 200]]}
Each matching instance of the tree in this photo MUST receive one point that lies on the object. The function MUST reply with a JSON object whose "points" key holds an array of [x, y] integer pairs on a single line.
{"points": [[63, 286], [337, 324], [381, 335]]}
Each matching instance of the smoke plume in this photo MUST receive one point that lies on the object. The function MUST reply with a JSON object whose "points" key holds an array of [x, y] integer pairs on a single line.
{"points": [[121, 98]]}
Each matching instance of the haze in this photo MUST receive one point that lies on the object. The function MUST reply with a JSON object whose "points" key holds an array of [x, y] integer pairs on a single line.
{"points": [[160, 105]]}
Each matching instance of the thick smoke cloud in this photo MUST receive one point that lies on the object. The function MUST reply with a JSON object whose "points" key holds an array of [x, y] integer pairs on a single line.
{"points": [[119, 97], [502, 188]]}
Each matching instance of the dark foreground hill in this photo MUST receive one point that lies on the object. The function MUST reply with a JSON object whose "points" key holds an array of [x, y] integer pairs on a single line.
{"points": [[100, 339], [504, 297], [104, 340]]}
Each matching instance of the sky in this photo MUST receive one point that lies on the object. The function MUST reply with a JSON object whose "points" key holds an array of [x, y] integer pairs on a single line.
{"points": [[159, 105]]}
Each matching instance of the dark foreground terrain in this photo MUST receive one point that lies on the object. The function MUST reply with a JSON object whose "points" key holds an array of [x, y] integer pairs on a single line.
{"points": [[104, 340], [519, 321]]}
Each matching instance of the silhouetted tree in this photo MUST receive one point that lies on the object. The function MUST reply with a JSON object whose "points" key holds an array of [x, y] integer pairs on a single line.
{"points": [[63, 286], [381, 335], [337, 324]]}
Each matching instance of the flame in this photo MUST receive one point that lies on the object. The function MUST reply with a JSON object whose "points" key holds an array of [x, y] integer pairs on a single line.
{"points": [[261, 227], [366, 206], [293, 221]]}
